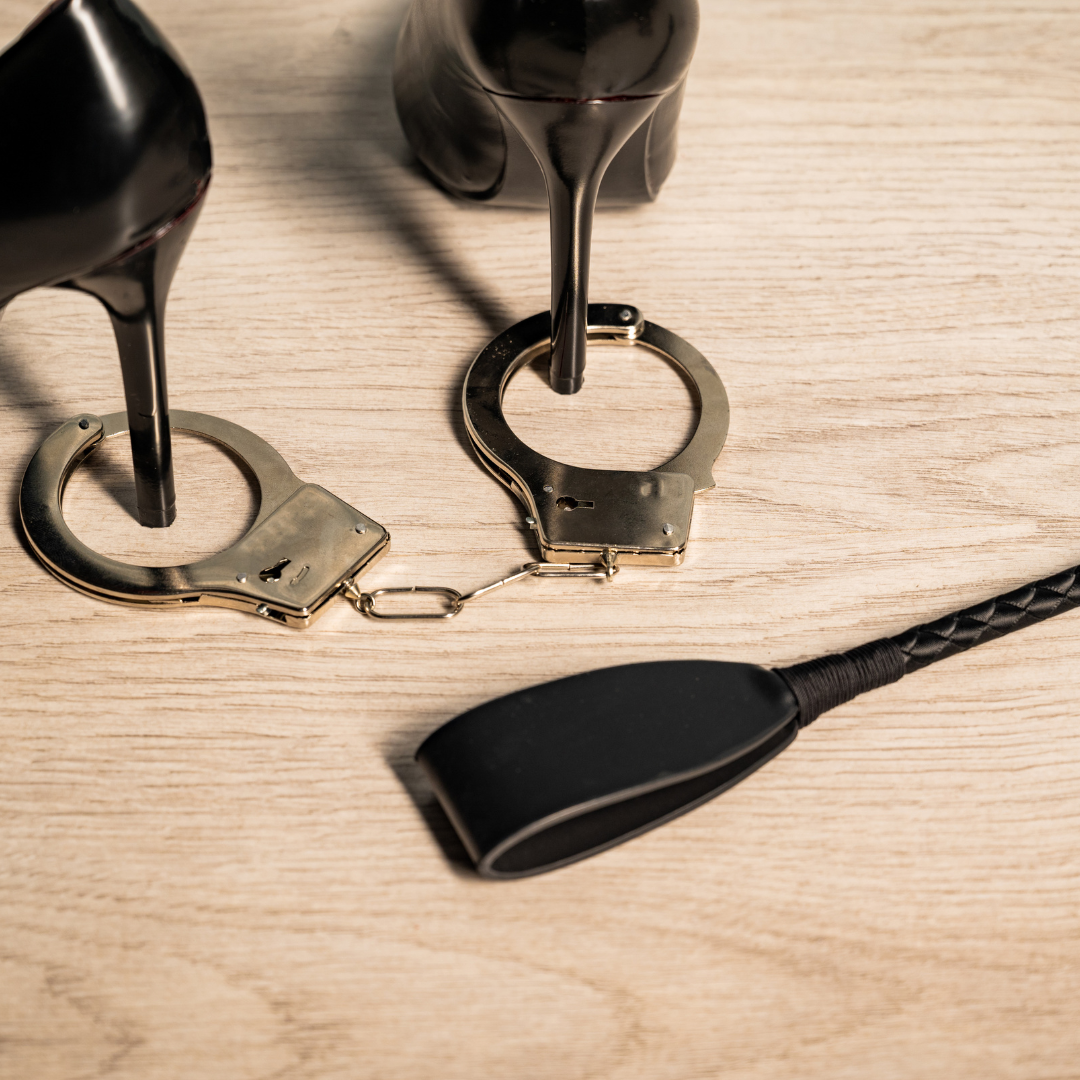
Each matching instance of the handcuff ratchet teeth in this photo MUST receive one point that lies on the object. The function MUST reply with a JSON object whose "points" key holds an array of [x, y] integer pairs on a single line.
{"points": [[302, 549], [594, 514]]}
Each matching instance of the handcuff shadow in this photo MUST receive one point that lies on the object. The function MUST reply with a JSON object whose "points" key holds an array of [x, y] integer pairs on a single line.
{"points": [[397, 752]]}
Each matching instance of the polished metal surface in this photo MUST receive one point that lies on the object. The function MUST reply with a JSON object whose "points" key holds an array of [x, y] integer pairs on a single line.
{"points": [[304, 545], [367, 602], [134, 290], [595, 514]]}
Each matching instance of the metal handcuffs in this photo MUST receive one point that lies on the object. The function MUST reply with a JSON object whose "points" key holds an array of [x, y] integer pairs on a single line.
{"points": [[634, 517], [304, 545], [307, 546]]}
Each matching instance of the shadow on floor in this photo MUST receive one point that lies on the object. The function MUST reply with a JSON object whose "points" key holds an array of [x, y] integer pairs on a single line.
{"points": [[398, 754]]}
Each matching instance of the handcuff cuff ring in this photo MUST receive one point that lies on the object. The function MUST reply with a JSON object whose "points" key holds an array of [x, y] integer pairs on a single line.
{"points": [[303, 547], [597, 515]]}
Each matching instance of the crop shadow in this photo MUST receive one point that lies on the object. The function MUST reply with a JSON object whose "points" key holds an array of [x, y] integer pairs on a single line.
{"points": [[398, 754]]}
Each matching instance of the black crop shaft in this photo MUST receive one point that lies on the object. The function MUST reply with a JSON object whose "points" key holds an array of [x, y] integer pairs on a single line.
{"points": [[828, 681], [923, 645]]}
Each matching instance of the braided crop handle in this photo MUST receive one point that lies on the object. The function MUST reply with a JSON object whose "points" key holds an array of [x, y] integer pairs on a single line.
{"points": [[922, 645], [828, 681]]}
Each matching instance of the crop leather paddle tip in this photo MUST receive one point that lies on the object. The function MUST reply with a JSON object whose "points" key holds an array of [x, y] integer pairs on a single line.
{"points": [[549, 775]]}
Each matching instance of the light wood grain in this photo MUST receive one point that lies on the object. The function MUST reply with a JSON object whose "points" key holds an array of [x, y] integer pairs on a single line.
{"points": [[217, 859]]}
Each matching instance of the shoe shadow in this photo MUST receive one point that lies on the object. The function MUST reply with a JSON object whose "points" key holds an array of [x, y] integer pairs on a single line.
{"points": [[361, 141], [357, 146], [22, 391]]}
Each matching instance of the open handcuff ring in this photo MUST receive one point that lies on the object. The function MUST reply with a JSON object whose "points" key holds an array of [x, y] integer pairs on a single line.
{"points": [[304, 546]]}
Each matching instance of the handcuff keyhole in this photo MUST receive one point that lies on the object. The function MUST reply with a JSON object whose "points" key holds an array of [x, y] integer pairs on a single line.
{"points": [[273, 573], [564, 502]]}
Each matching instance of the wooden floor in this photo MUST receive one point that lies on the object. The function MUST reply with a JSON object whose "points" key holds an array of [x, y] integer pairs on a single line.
{"points": [[218, 860]]}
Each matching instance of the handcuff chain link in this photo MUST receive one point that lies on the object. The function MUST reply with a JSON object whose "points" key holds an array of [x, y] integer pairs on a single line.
{"points": [[365, 602]]}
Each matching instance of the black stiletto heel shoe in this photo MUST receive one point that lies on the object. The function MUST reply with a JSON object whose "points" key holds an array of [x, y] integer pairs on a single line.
{"points": [[588, 89], [108, 160]]}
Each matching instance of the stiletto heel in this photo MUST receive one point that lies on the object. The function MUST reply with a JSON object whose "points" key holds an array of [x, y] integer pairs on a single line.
{"points": [[574, 143], [134, 290], [108, 162], [589, 90]]}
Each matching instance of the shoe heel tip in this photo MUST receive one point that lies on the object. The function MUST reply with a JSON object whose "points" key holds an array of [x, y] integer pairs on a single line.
{"points": [[157, 519], [567, 386]]}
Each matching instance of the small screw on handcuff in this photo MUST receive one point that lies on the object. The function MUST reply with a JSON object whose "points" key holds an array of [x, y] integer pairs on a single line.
{"points": [[365, 602]]}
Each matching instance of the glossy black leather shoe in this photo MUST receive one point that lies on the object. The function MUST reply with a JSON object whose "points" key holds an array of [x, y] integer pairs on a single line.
{"points": [[107, 159], [589, 90]]}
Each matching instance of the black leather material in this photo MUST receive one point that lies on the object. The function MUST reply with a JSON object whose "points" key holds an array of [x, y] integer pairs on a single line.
{"points": [[106, 158], [923, 645], [577, 50], [104, 141], [452, 54], [827, 681], [592, 89], [449, 120], [561, 771], [555, 773]]}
